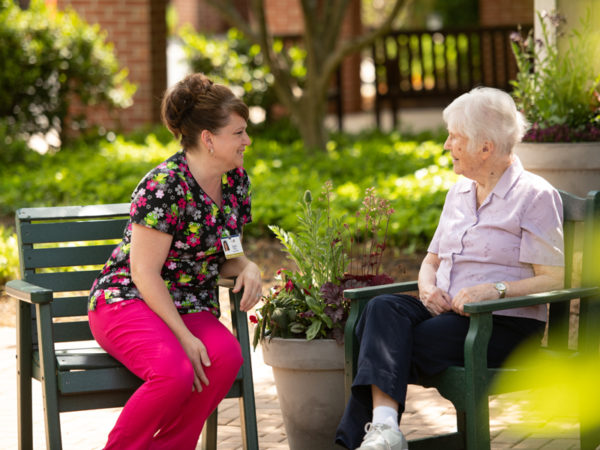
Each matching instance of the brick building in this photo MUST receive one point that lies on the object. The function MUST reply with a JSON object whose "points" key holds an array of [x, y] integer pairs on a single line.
{"points": [[137, 28]]}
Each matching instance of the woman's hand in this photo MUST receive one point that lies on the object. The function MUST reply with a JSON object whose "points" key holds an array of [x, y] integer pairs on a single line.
{"points": [[196, 352], [434, 299], [473, 294], [249, 279]]}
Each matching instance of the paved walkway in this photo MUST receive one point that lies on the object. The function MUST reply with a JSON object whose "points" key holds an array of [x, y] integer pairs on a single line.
{"points": [[427, 413]]}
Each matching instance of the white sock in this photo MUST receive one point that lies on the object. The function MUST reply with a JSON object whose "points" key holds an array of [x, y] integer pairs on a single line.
{"points": [[385, 415]]}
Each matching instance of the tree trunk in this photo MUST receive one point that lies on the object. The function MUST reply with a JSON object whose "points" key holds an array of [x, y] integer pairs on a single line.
{"points": [[310, 121]]}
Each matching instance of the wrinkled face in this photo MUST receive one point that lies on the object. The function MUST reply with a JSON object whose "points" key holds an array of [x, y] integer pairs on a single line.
{"points": [[229, 143], [466, 162]]}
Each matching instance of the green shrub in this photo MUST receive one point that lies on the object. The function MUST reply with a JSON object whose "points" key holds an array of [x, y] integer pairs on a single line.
{"points": [[413, 175], [234, 61], [47, 58], [9, 257]]}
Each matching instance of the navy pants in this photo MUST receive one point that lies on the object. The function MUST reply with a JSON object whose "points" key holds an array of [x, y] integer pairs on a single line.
{"points": [[400, 341]]}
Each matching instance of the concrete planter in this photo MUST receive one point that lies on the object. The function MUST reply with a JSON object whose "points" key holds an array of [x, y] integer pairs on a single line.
{"points": [[309, 377], [570, 166]]}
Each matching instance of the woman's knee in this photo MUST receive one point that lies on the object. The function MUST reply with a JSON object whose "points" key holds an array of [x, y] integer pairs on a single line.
{"points": [[226, 355], [382, 304]]}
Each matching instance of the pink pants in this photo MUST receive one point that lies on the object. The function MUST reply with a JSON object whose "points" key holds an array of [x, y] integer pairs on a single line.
{"points": [[164, 413]]}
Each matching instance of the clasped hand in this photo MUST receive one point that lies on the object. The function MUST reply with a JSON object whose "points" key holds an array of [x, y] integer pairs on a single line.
{"points": [[438, 301]]}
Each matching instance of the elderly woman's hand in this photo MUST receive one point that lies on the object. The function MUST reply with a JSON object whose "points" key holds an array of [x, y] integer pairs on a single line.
{"points": [[435, 300], [473, 294]]}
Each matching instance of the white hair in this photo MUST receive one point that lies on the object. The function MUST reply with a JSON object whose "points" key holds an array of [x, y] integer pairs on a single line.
{"points": [[486, 115]]}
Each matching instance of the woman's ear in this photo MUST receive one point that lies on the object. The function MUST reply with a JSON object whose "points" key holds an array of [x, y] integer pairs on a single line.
{"points": [[487, 149], [206, 138]]}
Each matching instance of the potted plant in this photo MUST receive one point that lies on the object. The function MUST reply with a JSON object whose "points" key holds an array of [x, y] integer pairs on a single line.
{"points": [[558, 90], [301, 321]]}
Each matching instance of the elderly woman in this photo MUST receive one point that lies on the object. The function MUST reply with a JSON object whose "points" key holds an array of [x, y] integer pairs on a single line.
{"points": [[499, 235]]}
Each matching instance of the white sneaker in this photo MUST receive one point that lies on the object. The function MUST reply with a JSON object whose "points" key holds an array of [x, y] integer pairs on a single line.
{"points": [[383, 437]]}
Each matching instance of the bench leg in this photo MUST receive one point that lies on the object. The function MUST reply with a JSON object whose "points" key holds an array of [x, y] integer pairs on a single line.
{"points": [[24, 376], [248, 422], [209, 433], [49, 382]]}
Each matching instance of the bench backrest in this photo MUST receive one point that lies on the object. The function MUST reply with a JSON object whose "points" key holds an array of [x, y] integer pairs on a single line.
{"points": [[567, 324], [63, 249]]}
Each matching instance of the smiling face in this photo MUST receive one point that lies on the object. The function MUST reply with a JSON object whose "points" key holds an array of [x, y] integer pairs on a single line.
{"points": [[466, 161], [229, 143]]}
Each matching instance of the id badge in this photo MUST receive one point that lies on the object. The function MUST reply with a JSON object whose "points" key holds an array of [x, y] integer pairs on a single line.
{"points": [[232, 246]]}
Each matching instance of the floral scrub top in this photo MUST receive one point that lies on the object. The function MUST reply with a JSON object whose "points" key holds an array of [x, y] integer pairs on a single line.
{"points": [[170, 200]]}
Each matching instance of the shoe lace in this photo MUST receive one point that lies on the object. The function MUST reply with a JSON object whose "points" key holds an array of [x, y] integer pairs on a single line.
{"points": [[373, 431]]}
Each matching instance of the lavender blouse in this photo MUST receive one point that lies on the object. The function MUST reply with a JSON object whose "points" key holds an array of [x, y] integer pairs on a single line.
{"points": [[518, 224]]}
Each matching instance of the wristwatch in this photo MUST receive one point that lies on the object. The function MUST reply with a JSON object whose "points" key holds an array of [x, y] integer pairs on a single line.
{"points": [[501, 288]]}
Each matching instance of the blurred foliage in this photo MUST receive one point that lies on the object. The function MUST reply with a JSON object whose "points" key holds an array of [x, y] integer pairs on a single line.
{"points": [[231, 59], [47, 57], [451, 13], [9, 259], [566, 389], [409, 171]]}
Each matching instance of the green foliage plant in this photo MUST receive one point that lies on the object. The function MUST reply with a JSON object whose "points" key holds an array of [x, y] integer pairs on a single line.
{"points": [[558, 90], [231, 60], [9, 257], [48, 58], [412, 172], [309, 303]]}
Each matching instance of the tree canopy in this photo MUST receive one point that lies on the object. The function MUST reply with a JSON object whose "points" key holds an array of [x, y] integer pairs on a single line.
{"points": [[306, 99]]}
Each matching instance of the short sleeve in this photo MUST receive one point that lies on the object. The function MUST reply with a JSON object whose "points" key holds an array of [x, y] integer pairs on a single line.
{"points": [[156, 202], [542, 240]]}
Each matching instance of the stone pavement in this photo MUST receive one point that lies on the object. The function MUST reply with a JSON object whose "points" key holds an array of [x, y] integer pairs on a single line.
{"points": [[427, 413]]}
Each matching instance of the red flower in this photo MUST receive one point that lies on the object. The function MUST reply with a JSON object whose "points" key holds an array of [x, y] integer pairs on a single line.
{"points": [[253, 319], [289, 286]]}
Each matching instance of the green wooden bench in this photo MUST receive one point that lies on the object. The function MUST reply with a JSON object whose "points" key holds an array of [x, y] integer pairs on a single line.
{"points": [[468, 387], [61, 250]]}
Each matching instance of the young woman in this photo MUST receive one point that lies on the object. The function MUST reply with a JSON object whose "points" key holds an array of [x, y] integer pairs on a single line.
{"points": [[154, 306]]}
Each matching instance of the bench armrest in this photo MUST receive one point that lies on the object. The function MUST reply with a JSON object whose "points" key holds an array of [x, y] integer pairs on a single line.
{"points": [[529, 300], [372, 291], [28, 292], [226, 282]]}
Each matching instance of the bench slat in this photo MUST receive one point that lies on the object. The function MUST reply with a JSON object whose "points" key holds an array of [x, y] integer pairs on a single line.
{"points": [[72, 331], [84, 358], [69, 306], [73, 212], [66, 256], [65, 281], [96, 230], [94, 380]]}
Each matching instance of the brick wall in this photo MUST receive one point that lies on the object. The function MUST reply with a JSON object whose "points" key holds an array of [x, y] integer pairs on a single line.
{"points": [[198, 15], [505, 12], [137, 29]]}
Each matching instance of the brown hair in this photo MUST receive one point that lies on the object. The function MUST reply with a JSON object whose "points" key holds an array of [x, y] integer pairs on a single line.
{"points": [[195, 104]]}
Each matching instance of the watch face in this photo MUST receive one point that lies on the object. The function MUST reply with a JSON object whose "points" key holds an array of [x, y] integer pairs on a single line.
{"points": [[501, 288]]}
